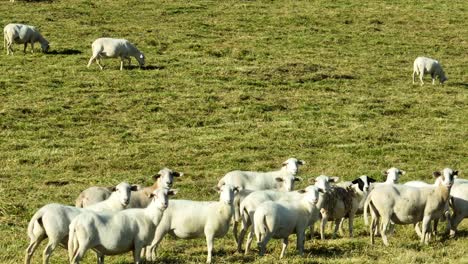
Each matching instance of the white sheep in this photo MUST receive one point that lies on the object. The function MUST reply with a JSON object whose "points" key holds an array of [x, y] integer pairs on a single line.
{"points": [[113, 48], [192, 219], [23, 34], [52, 220], [118, 232], [402, 204], [139, 199], [459, 205], [424, 65], [282, 179], [282, 218], [249, 205]]}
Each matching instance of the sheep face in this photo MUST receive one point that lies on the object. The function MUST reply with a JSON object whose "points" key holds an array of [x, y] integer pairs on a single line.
{"points": [[393, 174], [443, 78], [45, 47], [160, 197], [165, 178], [447, 176], [312, 194], [324, 182], [363, 183], [141, 60], [292, 165], [123, 190], [286, 183], [226, 193]]}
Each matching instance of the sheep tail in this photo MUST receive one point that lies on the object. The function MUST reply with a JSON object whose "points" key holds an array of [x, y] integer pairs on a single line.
{"points": [[36, 221], [73, 244]]}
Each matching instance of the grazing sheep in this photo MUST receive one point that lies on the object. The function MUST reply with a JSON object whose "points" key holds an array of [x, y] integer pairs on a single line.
{"points": [[402, 204], [459, 204], [282, 179], [23, 34], [113, 48], [249, 205], [119, 232], [282, 218], [427, 65], [139, 199], [52, 220], [192, 219]]}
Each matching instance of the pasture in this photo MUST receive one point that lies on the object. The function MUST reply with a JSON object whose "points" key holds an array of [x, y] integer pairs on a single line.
{"points": [[232, 85]]}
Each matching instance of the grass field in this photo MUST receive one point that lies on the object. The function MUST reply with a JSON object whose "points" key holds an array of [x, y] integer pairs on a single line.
{"points": [[232, 85]]}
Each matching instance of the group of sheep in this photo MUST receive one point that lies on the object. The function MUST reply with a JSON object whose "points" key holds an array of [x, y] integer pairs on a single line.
{"points": [[122, 48], [132, 218]]}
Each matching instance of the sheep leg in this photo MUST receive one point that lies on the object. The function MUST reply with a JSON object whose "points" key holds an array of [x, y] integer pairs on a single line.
{"points": [[351, 224], [248, 242], [373, 227], [311, 228], [322, 226], [91, 60], [284, 246], [121, 63], [425, 226], [433, 78], [151, 250], [455, 220], [98, 61], [414, 77], [129, 61], [418, 231], [25, 45], [421, 75], [240, 238], [341, 226], [32, 47], [100, 258], [48, 251], [235, 232], [337, 225], [32, 248], [209, 245], [136, 254], [300, 236], [263, 242], [383, 231]]}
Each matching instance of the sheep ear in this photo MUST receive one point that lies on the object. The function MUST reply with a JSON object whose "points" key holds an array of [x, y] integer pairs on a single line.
{"points": [[113, 189], [436, 174], [312, 181], [155, 177], [217, 189], [301, 191], [384, 173], [278, 179], [334, 179], [151, 195], [236, 189], [455, 173], [301, 162], [402, 172], [297, 178], [177, 174], [356, 181], [370, 180], [134, 188], [172, 192], [320, 190]]}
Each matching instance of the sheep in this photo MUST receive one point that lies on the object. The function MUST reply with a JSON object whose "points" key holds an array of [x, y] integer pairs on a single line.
{"points": [[119, 232], [355, 193], [282, 179], [459, 204], [113, 48], [427, 65], [249, 205], [23, 34], [281, 218], [402, 204], [192, 219], [52, 220], [139, 199]]}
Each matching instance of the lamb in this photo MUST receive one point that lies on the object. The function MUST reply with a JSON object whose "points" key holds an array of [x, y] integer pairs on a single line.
{"points": [[119, 232], [402, 204], [52, 221], [249, 205], [427, 65], [139, 199], [113, 48], [459, 204], [192, 219], [23, 34], [282, 218]]}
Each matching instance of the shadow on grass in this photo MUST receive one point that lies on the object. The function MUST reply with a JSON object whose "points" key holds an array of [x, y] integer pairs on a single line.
{"points": [[65, 52], [464, 85], [153, 67]]}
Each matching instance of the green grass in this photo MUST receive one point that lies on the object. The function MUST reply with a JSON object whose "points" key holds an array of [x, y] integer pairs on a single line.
{"points": [[232, 85]]}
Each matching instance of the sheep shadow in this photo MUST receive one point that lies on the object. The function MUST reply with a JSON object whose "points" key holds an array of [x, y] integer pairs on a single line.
{"points": [[464, 85], [65, 52]]}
